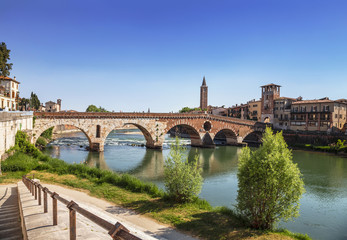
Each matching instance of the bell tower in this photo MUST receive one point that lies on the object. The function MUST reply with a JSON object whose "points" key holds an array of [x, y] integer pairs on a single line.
{"points": [[203, 95]]}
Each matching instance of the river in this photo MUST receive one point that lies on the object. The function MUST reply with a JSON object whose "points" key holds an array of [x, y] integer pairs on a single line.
{"points": [[323, 210]]}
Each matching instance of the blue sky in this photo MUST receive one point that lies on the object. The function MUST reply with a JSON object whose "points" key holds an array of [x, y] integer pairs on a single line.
{"points": [[134, 55]]}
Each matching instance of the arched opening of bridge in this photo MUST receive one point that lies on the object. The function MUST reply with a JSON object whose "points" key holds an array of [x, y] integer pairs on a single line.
{"points": [[253, 138], [130, 134], [60, 139], [187, 133], [225, 137]]}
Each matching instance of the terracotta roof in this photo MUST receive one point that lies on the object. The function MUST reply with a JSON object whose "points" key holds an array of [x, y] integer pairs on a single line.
{"points": [[8, 78], [271, 84], [313, 101]]}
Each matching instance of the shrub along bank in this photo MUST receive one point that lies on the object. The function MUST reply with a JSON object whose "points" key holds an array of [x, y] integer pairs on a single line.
{"points": [[339, 147], [197, 218]]}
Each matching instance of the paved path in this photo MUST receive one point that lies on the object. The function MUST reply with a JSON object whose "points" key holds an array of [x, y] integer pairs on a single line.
{"points": [[39, 224], [10, 227]]}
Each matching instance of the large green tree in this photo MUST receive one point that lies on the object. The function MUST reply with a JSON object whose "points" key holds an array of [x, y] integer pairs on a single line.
{"points": [[5, 67], [34, 101], [270, 184]]}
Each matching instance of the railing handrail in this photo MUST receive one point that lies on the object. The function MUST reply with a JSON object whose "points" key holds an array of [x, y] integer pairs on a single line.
{"points": [[117, 231]]}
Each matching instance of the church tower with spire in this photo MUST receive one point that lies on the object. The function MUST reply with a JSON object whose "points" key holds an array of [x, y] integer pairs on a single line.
{"points": [[203, 95]]}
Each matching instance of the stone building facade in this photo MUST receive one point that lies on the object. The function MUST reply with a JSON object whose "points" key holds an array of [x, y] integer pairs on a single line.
{"points": [[318, 115], [52, 106], [203, 95], [9, 93]]}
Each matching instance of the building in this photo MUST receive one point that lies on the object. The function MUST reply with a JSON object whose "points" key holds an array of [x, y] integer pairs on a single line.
{"points": [[203, 95], [220, 111], [269, 93], [52, 106], [282, 110], [318, 115], [254, 110], [239, 111], [9, 93]]}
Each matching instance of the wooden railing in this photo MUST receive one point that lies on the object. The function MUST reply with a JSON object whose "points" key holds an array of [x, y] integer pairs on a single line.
{"points": [[117, 231]]}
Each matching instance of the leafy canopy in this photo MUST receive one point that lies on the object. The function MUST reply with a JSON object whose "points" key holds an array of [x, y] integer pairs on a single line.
{"points": [[270, 184], [34, 101], [187, 110], [5, 67], [183, 180], [93, 108]]}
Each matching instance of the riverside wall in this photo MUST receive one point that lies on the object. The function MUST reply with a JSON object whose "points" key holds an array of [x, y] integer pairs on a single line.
{"points": [[10, 123]]}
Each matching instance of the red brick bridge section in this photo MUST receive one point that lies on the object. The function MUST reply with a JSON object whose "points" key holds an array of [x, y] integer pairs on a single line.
{"points": [[202, 128]]}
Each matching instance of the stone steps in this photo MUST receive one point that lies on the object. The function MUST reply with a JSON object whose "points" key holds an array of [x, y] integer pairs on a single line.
{"points": [[10, 225]]}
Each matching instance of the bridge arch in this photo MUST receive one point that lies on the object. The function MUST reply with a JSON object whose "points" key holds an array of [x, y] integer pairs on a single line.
{"points": [[38, 131], [253, 137], [150, 141], [228, 135], [186, 129]]}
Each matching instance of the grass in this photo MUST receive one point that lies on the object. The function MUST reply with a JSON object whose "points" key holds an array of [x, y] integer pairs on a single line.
{"points": [[197, 218]]}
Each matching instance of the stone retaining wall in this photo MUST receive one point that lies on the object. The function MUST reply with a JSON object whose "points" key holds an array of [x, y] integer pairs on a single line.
{"points": [[10, 123]]}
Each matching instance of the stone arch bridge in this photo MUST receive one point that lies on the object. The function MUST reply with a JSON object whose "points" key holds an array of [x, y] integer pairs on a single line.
{"points": [[202, 128]]}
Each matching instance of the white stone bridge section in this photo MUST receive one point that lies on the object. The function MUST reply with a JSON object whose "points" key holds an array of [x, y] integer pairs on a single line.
{"points": [[202, 128]]}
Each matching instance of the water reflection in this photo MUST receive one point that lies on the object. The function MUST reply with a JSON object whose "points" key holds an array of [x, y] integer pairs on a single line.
{"points": [[96, 159], [151, 167]]}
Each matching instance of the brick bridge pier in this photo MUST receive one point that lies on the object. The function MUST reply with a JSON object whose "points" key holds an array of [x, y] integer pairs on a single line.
{"points": [[202, 128]]}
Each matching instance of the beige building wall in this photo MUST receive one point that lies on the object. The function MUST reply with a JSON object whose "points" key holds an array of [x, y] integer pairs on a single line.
{"points": [[9, 98], [318, 115], [254, 110]]}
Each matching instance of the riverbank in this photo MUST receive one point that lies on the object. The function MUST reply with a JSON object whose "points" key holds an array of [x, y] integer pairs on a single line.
{"points": [[342, 151], [197, 218]]}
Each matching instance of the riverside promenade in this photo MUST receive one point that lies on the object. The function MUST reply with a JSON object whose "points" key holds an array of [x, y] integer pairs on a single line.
{"points": [[39, 225]]}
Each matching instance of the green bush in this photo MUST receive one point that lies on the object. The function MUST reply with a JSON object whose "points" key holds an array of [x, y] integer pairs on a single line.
{"points": [[270, 184], [22, 144], [41, 142], [19, 162], [48, 133], [182, 179]]}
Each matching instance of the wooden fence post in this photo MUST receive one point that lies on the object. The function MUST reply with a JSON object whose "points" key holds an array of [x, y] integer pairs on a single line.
{"points": [[55, 209], [72, 215], [45, 200]]}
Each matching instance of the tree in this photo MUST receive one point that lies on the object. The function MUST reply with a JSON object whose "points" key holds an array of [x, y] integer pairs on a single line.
{"points": [[270, 184], [23, 104], [4, 57], [187, 110], [34, 101], [93, 108], [183, 180]]}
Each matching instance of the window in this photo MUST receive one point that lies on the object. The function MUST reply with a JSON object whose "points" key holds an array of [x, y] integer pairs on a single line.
{"points": [[98, 131]]}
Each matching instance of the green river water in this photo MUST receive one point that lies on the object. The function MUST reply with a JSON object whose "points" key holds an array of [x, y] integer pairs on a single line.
{"points": [[323, 211]]}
